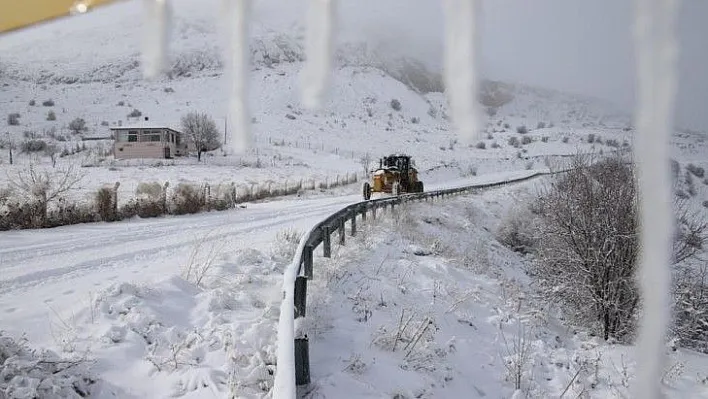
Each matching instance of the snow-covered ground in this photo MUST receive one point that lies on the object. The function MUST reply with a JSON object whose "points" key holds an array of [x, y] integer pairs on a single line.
{"points": [[188, 306]]}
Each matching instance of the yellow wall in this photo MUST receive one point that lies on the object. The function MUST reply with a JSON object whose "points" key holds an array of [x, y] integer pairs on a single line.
{"points": [[16, 14]]}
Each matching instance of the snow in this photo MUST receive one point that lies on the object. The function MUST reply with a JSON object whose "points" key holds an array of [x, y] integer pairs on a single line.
{"points": [[125, 300], [656, 64]]}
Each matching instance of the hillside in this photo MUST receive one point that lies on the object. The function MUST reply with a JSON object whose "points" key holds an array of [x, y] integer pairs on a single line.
{"points": [[187, 306]]}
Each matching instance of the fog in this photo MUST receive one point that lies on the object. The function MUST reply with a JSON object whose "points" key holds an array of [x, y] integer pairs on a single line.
{"points": [[571, 45]]}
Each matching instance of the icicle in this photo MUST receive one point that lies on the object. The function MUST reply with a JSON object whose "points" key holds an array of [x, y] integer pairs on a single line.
{"points": [[155, 41], [656, 57], [461, 28], [319, 47], [239, 135]]}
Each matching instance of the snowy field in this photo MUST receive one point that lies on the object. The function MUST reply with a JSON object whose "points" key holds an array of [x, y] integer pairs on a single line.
{"points": [[424, 303]]}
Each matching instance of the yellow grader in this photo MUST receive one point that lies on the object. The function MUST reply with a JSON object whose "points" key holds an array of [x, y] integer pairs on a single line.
{"points": [[395, 175]]}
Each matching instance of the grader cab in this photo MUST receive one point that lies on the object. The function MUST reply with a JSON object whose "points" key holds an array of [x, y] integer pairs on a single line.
{"points": [[395, 175]]}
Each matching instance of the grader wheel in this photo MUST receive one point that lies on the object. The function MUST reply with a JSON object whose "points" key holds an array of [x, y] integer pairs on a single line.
{"points": [[366, 191]]}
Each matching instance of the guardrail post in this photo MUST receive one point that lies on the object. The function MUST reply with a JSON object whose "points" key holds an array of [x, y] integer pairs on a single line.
{"points": [[300, 297], [326, 243], [353, 222], [341, 232], [307, 259], [373, 212], [302, 361], [363, 214]]}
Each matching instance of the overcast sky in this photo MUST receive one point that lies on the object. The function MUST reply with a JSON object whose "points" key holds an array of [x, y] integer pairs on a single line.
{"points": [[582, 46]]}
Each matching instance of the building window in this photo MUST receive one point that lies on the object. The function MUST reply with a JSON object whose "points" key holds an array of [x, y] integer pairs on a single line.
{"points": [[132, 136], [150, 135]]}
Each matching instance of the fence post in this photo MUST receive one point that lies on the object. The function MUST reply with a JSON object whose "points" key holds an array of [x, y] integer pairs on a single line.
{"points": [[300, 297], [326, 243], [115, 200], [307, 259], [302, 361], [353, 222], [341, 232]]}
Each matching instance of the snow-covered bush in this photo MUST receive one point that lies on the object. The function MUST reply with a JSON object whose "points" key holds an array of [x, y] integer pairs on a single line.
{"points": [[522, 129], [690, 292], [78, 126], [587, 258], [285, 244], [187, 198], [28, 373], [698, 171], [396, 105]]}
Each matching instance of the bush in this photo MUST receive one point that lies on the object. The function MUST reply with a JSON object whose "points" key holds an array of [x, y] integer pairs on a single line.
{"points": [[612, 143], [187, 199], [544, 139], [565, 139], [32, 103], [507, 126], [396, 105], [514, 142], [495, 145], [517, 231], [705, 204], [522, 129], [481, 145], [121, 103], [51, 116], [415, 120], [48, 103], [105, 204], [587, 259], [591, 138], [135, 114], [78, 125], [13, 119], [696, 170], [33, 145], [526, 140], [541, 125]]}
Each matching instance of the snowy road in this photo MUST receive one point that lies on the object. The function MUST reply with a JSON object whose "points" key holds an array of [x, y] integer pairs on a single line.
{"points": [[55, 271]]}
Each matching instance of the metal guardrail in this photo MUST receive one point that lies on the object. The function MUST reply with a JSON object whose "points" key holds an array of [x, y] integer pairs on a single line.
{"points": [[302, 270]]}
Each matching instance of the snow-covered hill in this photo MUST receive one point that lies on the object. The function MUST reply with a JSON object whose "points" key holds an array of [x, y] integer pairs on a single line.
{"points": [[117, 301]]}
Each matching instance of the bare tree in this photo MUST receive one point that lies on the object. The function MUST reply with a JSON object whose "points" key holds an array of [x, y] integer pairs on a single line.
{"points": [[590, 243], [202, 131], [43, 187], [365, 162], [52, 151]]}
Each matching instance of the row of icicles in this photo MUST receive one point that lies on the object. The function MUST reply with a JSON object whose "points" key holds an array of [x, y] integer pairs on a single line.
{"points": [[656, 56]]}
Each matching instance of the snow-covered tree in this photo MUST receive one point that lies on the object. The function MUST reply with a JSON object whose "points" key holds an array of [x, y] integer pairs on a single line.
{"points": [[201, 129]]}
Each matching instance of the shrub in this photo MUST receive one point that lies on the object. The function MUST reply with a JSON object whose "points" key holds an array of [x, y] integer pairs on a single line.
{"points": [[187, 198], [78, 125], [286, 243], [32, 103], [135, 113], [698, 171], [514, 142], [541, 125], [415, 120], [481, 145], [48, 103], [396, 105], [33, 145], [51, 116], [565, 139], [507, 126], [591, 138], [517, 231], [495, 145], [13, 119], [104, 123], [705, 204], [491, 111], [105, 204], [544, 139], [526, 140], [601, 240], [522, 129], [612, 143], [121, 103]]}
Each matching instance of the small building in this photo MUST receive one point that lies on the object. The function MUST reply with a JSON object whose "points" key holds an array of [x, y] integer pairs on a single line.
{"points": [[148, 142]]}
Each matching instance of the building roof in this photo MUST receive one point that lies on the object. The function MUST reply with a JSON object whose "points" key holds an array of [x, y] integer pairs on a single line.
{"points": [[129, 127]]}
